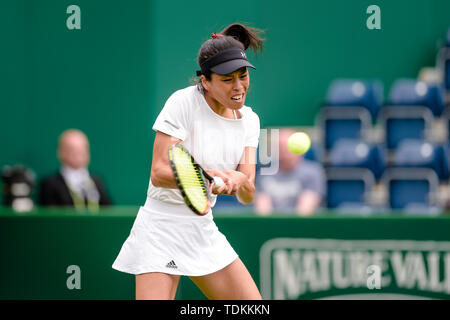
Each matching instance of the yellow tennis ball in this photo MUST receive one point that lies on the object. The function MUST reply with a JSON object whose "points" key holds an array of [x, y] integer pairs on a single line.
{"points": [[299, 143]]}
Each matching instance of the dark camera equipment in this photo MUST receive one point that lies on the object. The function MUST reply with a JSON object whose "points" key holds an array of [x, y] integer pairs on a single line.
{"points": [[18, 182]]}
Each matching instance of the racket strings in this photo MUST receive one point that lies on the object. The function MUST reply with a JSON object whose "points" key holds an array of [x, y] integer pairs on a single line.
{"points": [[191, 179]]}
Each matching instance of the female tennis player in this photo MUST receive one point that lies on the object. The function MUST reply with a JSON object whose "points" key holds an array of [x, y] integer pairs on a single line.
{"points": [[167, 239]]}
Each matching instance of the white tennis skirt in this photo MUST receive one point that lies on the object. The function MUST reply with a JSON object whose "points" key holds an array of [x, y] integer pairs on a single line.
{"points": [[172, 239]]}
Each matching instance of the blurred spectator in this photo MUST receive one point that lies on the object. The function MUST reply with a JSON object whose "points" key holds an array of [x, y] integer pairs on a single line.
{"points": [[298, 186], [73, 185]]}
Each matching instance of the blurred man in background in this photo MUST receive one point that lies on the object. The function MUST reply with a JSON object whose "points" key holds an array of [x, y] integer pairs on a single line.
{"points": [[73, 185], [298, 186]]}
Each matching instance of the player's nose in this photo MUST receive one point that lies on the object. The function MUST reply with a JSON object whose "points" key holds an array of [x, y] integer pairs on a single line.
{"points": [[238, 85]]}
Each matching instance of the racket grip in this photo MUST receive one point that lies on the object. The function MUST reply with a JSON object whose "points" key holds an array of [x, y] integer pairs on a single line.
{"points": [[218, 181]]}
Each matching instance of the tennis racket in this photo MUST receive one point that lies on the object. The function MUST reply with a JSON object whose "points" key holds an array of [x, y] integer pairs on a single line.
{"points": [[190, 178]]}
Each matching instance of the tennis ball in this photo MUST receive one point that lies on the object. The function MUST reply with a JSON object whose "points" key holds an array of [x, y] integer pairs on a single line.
{"points": [[299, 143]]}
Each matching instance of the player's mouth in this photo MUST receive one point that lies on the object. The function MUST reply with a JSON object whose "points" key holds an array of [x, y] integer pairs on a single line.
{"points": [[238, 97]]}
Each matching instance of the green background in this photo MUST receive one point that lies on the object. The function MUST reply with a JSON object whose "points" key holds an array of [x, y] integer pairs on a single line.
{"points": [[111, 78]]}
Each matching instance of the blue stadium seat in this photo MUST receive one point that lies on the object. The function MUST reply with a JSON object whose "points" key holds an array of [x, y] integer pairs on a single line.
{"points": [[421, 154], [343, 123], [401, 122], [411, 189], [230, 204], [314, 153], [348, 187], [412, 92], [356, 93], [353, 153]]}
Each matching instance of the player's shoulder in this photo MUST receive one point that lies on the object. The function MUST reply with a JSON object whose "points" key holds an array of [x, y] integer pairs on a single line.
{"points": [[184, 93], [187, 97], [182, 100], [249, 113]]}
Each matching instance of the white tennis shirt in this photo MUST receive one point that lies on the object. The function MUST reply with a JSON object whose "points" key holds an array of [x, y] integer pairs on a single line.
{"points": [[215, 142]]}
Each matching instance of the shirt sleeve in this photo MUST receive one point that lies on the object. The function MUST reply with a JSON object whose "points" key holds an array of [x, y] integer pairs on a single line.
{"points": [[252, 131], [174, 117]]}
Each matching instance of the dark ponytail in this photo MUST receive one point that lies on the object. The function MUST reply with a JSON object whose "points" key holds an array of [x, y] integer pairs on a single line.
{"points": [[248, 36], [235, 35]]}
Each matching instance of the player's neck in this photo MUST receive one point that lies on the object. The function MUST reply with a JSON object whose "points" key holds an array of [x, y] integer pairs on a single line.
{"points": [[219, 108]]}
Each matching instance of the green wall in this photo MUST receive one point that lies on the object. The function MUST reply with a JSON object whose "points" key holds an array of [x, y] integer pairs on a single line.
{"points": [[37, 248], [111, 78], [98, 79]]}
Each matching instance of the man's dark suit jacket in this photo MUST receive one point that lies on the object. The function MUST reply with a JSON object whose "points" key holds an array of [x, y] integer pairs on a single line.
{"points": [[54, 192]]}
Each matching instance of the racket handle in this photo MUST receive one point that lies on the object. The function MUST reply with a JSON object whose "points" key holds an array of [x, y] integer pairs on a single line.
{"points": [[218, 181]]}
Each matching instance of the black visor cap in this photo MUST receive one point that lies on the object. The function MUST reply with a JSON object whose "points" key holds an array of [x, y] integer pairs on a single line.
{"points": [[231, 66], [226, 62]]}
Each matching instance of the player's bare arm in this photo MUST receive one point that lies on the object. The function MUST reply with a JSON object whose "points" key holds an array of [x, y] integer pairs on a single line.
{"points": [[161, 173]]}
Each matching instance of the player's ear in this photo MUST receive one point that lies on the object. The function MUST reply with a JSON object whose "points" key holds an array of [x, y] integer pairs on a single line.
{"points": [[204, 82]]}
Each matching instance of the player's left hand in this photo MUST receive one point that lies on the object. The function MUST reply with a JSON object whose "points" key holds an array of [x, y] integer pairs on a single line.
{"points": [[226, 187], [235, 180]]}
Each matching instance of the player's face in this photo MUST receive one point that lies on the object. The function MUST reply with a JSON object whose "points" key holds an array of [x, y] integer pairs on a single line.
{"points": [[230, 90]]}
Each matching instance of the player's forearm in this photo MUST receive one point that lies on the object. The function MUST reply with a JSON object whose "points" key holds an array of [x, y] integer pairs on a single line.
{"points": [[163, 177], [246, 192]]}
